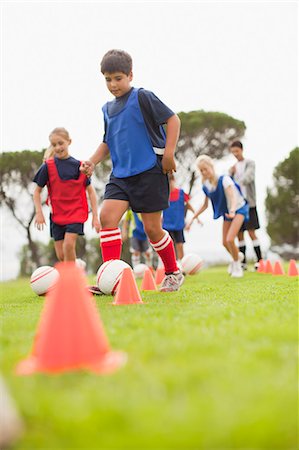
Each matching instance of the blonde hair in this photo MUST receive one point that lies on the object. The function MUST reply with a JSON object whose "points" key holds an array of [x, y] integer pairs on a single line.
{"points": [[49, 153], [206, 159]]}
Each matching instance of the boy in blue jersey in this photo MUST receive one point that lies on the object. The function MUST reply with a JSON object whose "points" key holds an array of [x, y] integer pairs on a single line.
{"points": [[142, 155], [174, 216]]}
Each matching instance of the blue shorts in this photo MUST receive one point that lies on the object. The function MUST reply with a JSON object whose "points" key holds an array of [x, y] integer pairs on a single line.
{"points": [[146, 192], [244, 210], [177, 236], [57, 232]]}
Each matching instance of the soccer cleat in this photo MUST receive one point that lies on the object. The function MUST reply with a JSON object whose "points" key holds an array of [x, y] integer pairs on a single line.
{"points": [[95, 290], [256, 266], [237, 271], [240, 259], [172, 282]]}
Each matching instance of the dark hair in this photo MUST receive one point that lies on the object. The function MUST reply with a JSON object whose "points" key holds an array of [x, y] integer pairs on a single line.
{"points": [[116, 61], [237, 144]]}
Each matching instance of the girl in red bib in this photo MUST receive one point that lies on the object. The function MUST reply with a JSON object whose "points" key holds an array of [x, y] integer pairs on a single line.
{"points": [[67, 188]]}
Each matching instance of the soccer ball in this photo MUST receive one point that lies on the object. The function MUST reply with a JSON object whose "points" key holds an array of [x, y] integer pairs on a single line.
{"points": [[44, 278], [139, 270], [191, 263], [108, 275]]}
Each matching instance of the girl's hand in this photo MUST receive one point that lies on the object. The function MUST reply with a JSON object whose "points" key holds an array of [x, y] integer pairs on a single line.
{"points": [[87, 167], [39, 221], [96, 224], [231, 214]]}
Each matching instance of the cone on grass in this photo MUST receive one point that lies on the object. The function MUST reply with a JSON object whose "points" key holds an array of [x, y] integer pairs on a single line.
{"points": [[268, 267], [292, 269], [160, 274], [261, 268], [70, 334], [148, 282], [278, 269], [127, 292]]}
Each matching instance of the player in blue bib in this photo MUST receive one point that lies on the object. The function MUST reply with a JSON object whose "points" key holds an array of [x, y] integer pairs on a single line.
{"points": [[142, 155], [229, 203]]}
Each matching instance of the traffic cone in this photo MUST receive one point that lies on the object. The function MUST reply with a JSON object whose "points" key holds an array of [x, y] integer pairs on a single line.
{"points": [[160, 274], [292, 270], [127, 291], [148, 282], [268, 267], [278, 269], [261, 268], [70, 334]]}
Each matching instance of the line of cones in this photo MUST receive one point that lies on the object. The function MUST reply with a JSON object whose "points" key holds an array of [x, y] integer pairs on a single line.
{"points": [[277, 269]]}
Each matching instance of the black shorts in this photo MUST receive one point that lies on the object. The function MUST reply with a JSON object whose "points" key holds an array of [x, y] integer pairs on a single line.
{"points": [[57, 232], [146, 192], [177, 236], [253, 222]]}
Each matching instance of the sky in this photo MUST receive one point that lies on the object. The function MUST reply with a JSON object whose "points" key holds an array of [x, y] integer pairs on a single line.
{"points": [[239, 58]]}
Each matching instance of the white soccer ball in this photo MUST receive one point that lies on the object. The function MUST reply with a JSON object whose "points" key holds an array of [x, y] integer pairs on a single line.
{"points": [[191, 263], [80, 263], [139, 270], [43, 279], [108, 275]]}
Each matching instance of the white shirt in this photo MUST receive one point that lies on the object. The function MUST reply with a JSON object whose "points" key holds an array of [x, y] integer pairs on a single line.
{"points": [[240, 169], [227, 181]]}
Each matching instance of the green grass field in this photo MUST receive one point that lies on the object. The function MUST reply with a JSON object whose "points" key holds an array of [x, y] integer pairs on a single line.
{"points": [[213, 366]]}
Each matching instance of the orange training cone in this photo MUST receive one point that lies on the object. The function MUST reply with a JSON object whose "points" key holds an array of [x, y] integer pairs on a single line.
{"points": [[261, 268], [292, 270], [70, 334], [160, 274], [127, 291], [268, 267], [148, 282], [278, 269]]}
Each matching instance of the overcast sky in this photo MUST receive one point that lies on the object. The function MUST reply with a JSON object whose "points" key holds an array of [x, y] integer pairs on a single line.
{"points": [[240, 58]]}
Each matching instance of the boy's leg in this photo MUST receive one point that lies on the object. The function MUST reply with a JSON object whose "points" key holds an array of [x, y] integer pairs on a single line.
{"points": [[242, 244], [160, 240], [110, 234], [69, 246], [256, 244]]}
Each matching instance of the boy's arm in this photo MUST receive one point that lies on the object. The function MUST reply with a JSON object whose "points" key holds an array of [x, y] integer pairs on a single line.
{"points": [[94, 207], [172, 136], [87, 167], [39, 220]]}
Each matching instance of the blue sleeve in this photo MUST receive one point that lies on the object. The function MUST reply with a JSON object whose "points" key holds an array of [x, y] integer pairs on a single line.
{"points": [[152, 106], [41, 177]]}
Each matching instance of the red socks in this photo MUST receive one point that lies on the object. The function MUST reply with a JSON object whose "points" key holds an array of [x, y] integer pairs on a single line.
{"points": [[165, 250], [111, 243]]}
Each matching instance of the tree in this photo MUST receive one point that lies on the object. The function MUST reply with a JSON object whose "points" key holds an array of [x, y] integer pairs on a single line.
{"points": [[204, 132], [17, 170], [282, 207]]}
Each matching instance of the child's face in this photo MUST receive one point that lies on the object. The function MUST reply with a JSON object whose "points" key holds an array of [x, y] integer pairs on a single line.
{"points": [[237, 152], [118, 83], [60, 146], [206, 171]]}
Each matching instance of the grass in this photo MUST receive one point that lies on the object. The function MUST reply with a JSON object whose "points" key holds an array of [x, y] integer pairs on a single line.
{"points": [[213, 366]]}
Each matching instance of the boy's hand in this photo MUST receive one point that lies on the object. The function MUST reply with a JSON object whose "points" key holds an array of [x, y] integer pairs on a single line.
{"points": [[39, 221], [87, 167], [168, 164]]}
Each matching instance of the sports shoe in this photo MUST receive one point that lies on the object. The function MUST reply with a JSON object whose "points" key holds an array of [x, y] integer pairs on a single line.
{"points": [[237, 271], [240, 259], [95, 290], [256, 266], [172, 282]]}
